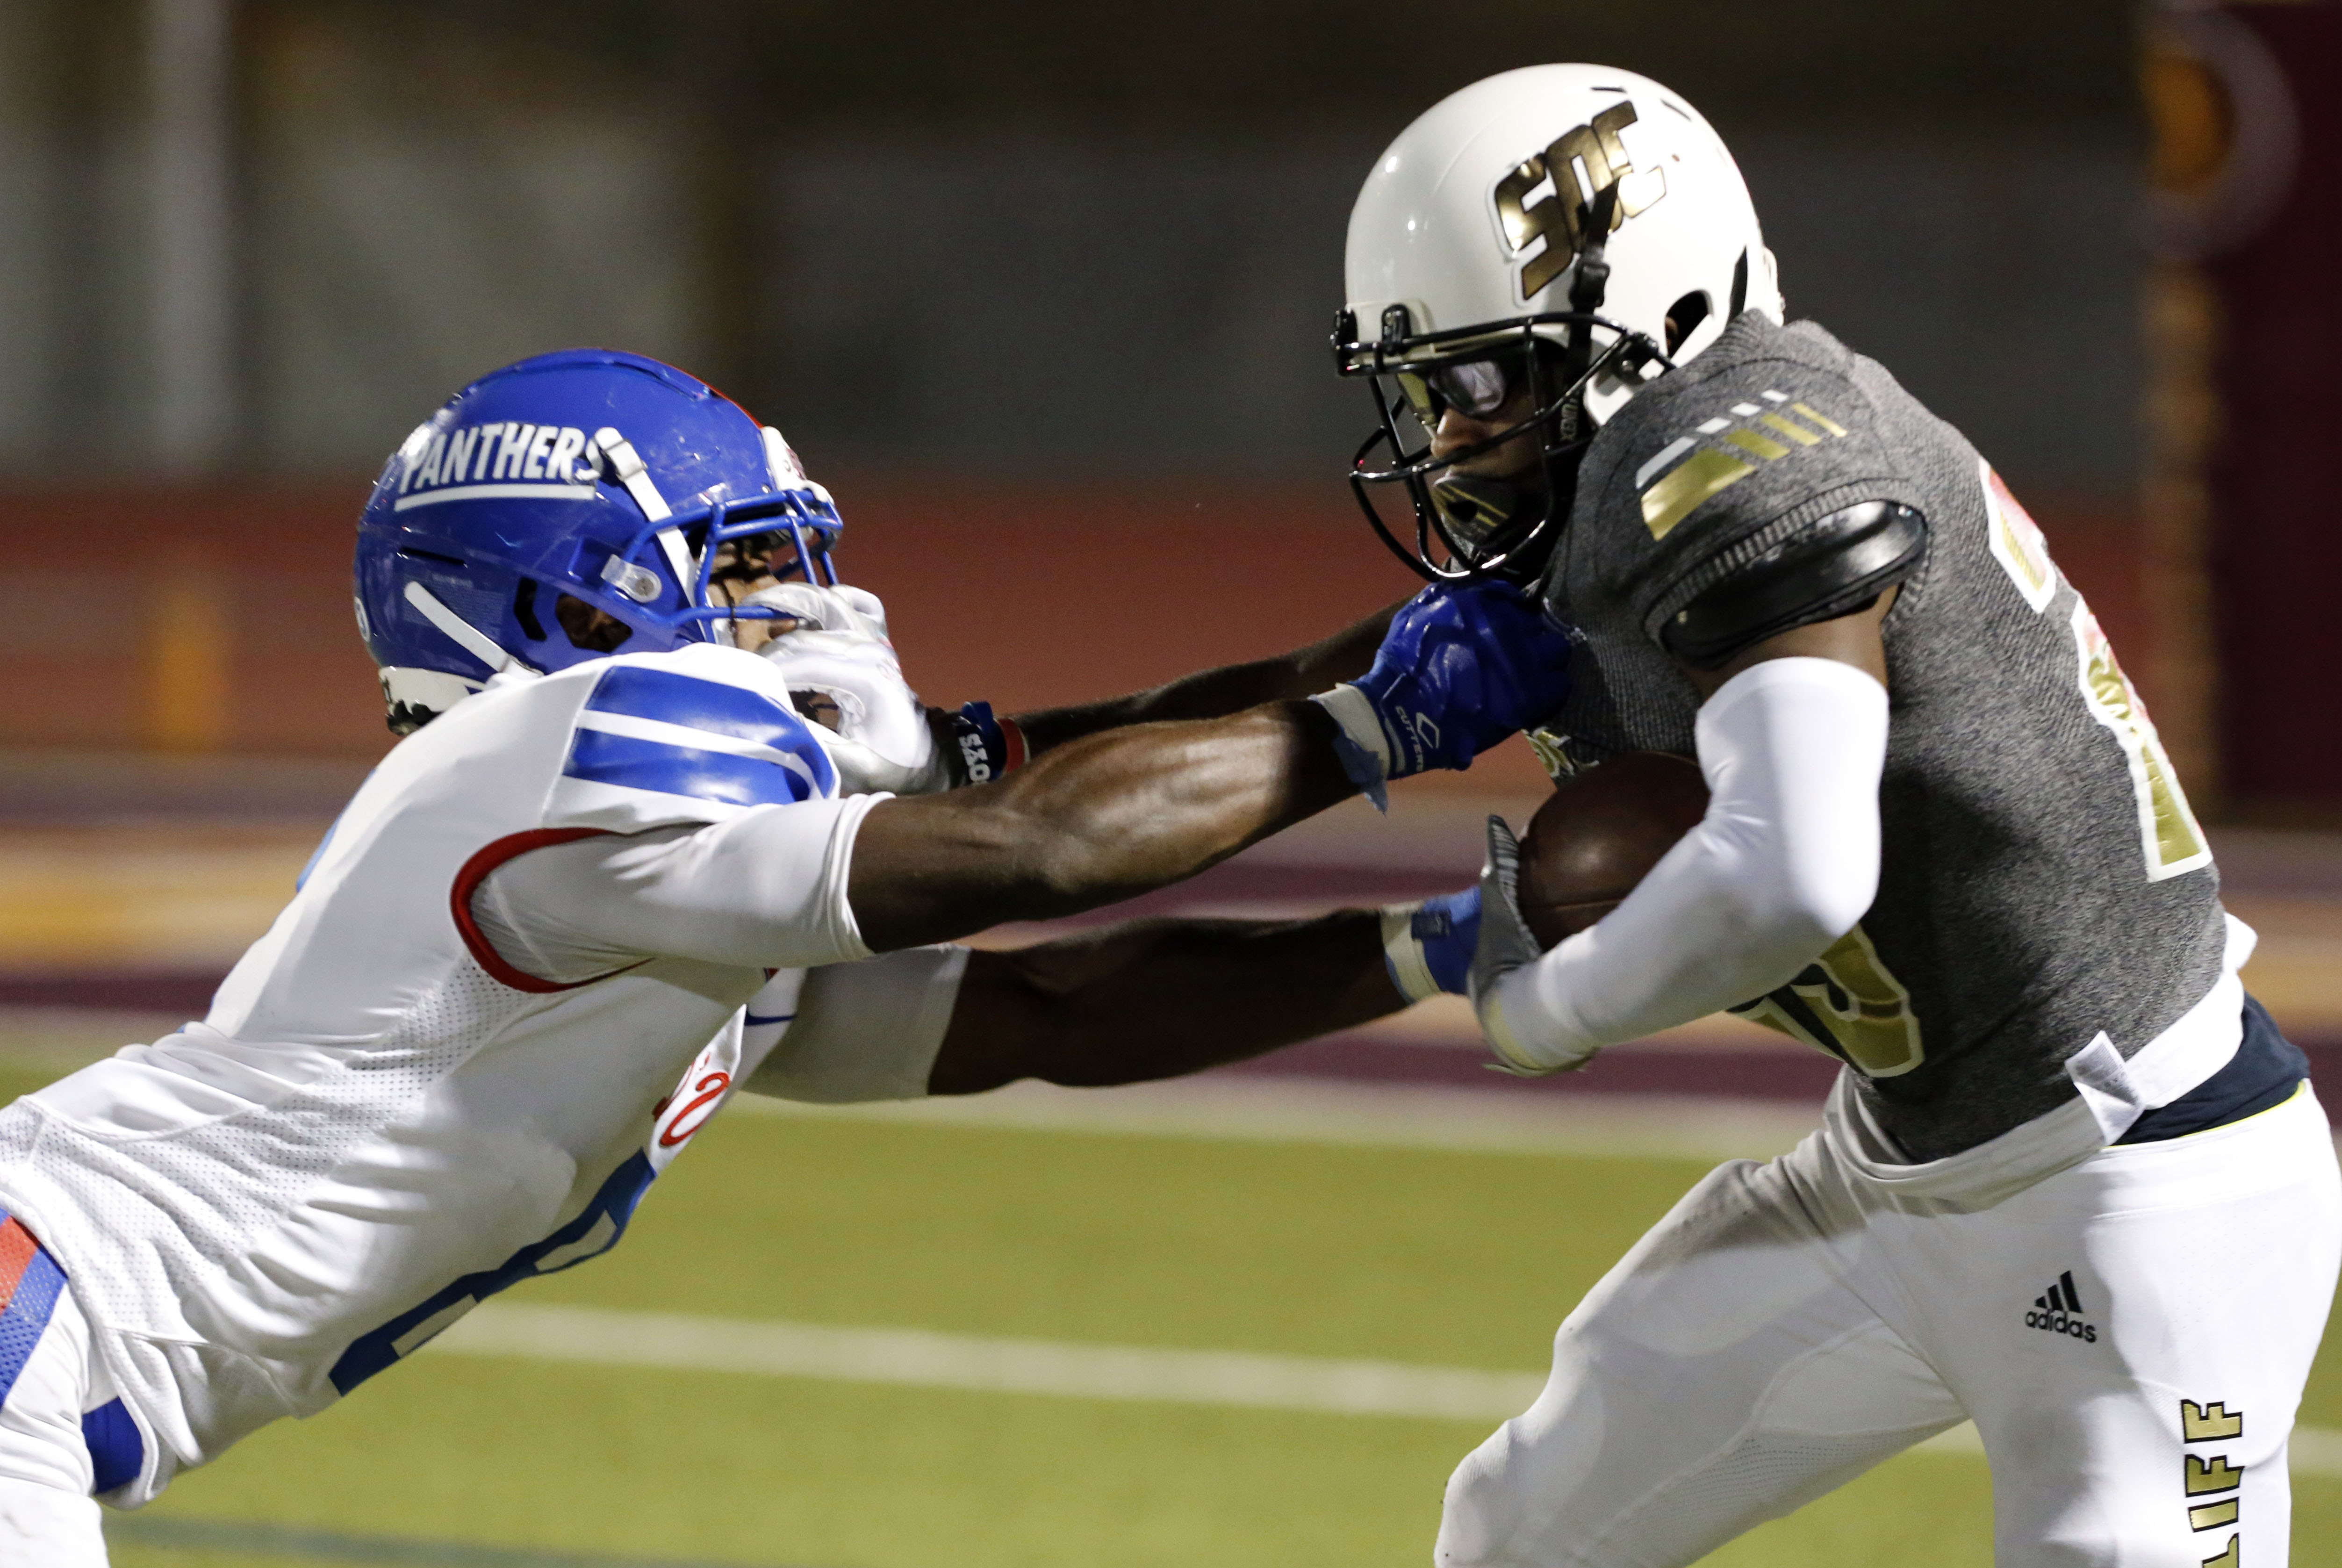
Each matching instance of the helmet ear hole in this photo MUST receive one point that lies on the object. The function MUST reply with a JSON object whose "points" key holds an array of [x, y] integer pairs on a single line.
{"points": [[590, 627], [1683, 317], [524, 609]]}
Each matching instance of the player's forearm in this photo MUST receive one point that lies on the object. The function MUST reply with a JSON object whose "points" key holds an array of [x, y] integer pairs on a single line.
{"points": [[1218, 693], [1160, 998], [1096, 820], [1784, 863]]}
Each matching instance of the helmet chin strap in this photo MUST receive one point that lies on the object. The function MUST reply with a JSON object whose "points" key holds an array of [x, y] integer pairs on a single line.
{"points": [[635, 475], [1587, 286], [1484, 507], [1593, 279]]}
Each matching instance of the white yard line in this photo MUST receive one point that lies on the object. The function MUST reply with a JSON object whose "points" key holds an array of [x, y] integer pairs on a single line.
{"points": [[925, 1359], [248, 1538], [921, 1358]]}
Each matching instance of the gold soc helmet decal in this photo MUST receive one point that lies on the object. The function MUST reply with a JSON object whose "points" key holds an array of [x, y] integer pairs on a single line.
{"points": [[1543, 234]]}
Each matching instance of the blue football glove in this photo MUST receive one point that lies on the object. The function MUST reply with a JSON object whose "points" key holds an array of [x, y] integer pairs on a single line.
{"points": [[1428, 948], [1460, 670]]}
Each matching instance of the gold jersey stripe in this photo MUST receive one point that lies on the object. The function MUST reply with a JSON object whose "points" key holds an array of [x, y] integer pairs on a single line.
{"points": [[1790, 428], [1764, 446], [1824, 420], [1703, 474]]}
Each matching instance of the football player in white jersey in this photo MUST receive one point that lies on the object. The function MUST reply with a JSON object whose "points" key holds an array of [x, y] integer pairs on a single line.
{"points": [[615, 873], [2072, 1184]]}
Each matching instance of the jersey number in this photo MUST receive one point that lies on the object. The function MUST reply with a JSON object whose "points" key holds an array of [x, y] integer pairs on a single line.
{"points": [[2170, 839], [673, 1132], [1848, 1003]]}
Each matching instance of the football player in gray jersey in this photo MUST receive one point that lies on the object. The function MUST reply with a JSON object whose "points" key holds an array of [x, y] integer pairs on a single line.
{"points": [[2072, 1184]]}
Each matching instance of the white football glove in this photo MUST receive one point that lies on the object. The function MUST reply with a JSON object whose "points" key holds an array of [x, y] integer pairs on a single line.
{"points": [[839, 656]]}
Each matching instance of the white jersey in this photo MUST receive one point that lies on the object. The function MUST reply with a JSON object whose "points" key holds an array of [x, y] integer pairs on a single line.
{"points": [[382, 1120]]}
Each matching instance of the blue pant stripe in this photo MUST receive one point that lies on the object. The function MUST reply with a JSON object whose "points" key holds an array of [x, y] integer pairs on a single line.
{"points": [[116, 1453]]}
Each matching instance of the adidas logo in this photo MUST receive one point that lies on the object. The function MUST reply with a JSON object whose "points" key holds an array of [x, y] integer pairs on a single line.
{"points": [[2058, 1310]]}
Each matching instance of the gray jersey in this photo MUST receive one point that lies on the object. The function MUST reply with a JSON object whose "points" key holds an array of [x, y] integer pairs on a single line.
{"points": [[2044, 880]]}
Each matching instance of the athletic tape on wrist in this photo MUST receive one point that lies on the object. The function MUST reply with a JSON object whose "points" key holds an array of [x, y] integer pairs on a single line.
{"points": [[1403, 955], [1362, 745]]}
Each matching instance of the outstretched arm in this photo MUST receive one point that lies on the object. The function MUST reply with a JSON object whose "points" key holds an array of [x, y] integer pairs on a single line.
{"points": [[1216, 694], [1098, 820], [1115, 814], [1159, 998], [1095, 821]]}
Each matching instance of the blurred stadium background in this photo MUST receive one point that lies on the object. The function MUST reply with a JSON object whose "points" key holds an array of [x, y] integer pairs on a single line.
{"points": [[1041, 292]]}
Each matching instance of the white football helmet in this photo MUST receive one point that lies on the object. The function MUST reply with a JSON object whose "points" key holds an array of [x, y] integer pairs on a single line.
{"points": [[1572, 230]]}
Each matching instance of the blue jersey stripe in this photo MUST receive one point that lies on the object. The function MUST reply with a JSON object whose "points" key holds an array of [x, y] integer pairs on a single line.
{"points": [[629, 763], [27, 1315], [676, 699]]}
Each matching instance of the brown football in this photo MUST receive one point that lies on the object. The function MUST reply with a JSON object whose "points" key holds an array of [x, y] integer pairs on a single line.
{"points": [[1600, 833]]}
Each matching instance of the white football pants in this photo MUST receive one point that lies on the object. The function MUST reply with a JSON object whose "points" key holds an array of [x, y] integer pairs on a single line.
{"points": [[2130, 1336], [46, 1513]]}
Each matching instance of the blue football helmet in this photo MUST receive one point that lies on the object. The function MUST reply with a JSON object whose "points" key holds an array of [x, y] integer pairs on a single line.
{"points": [[605, 477]]}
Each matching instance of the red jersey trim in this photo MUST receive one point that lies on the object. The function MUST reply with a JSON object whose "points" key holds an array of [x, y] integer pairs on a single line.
{"points": [[477, 870], [17, 1247]]}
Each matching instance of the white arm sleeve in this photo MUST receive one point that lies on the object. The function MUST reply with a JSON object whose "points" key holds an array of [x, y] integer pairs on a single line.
{"points": [[1784, 863], [866, 1031], [765, 890]]}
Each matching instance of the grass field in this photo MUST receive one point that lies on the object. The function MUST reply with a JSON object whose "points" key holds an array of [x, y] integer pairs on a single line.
{"points": [[1429, 1256]]}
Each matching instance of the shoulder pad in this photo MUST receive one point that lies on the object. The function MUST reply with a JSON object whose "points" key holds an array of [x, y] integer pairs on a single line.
{"points": [[668, 739], [1831, 567]]}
